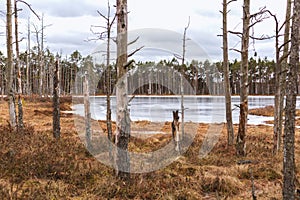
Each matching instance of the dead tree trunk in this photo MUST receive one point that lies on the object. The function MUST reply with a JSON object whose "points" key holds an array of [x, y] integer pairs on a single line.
{"points": [[10, 66], [123, 119], [109, 24], [230, 133], [241, 137], [28, 56], [56, 102], [290, 110], [19, 80], [281, 65], [87, 112], [181, 81]]}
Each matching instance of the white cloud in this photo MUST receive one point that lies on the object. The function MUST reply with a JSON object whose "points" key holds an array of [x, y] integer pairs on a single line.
{"points": [[71, 21]]}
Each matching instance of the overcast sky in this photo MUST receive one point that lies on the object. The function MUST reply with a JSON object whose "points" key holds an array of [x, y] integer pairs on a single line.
{"points": [[162, 22]]}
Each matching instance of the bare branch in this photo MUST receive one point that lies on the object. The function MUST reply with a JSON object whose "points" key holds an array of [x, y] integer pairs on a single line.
{"points": [[284, 56], [134, 41], [135, 51], [281, 46], [262, 37], [29, 6], [233, 49], [177, 56], [106, 18], [230, 1]]}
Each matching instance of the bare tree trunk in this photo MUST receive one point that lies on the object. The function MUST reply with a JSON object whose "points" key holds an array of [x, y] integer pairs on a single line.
{"points": [[280, 84], [241, 137], [123, 119], [56, 102], [19, 80], [230, 132], [87, 112], [10, 67], [28, 84], [290, 110], [182, 87]]}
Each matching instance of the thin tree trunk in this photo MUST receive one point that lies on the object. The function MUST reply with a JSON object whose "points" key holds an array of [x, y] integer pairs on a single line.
{"points": [[182, 87], [241, 137], [56, 102], [87, 112], [19, 80], [290, 110], [230, 133], [28, 84], [123, 119], [284, 66], [10, 67]]}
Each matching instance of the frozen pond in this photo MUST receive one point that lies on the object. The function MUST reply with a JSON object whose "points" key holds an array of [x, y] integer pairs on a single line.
{"points": [[206, 109]]}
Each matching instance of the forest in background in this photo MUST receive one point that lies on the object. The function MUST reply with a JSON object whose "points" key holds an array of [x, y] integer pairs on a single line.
{"points": [[204, 77]]}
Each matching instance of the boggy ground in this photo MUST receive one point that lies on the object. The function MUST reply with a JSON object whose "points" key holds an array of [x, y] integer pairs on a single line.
{"points": [[33, 165]]}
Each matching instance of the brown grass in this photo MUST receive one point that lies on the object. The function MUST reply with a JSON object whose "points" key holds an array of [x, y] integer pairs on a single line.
{"points": [[33, 165], [268, 111]]}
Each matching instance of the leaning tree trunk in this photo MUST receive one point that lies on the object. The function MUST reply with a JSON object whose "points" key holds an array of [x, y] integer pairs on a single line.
{"points": [[123, 120], [56, 102], [10, 66], [241, 137], [230, 133], [290, 110]]}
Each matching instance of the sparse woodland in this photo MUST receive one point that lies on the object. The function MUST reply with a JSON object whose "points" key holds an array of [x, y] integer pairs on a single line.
{"points": [[43, 156]]}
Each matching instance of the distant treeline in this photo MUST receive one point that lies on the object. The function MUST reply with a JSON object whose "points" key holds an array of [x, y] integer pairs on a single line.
{"points": [[160, 78]]}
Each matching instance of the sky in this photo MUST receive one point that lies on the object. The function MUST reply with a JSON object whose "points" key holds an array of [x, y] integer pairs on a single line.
{"points": [[158, 23]]}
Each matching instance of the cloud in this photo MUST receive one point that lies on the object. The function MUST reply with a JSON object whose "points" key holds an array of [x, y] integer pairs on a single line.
{"points": [[68, 8]]}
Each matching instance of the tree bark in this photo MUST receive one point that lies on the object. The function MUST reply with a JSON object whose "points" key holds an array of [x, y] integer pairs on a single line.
{"points": [[28, 84], [241, 137], [280, 74], [10, 66], [230, 133], [123, 119], [19, 80], [56, 102], [290, 110], [87, 112]]}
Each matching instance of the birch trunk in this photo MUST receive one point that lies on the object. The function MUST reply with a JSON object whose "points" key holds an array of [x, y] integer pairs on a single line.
{"points": [[123, 120], [241, 137], [290, 110], [19, 80], [87, 112], [280, 84], [10, 66]]}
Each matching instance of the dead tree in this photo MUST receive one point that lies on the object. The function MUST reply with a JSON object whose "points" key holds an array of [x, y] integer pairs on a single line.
{"points": [[123, 119], [230, 132], [241, 136], [182, 77], [17, 66], [56, 101], [182, 58], [280, 74], [17, 63], [107, 35], [10, 66], [87, 112], [290, 109], [244, 91]]}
